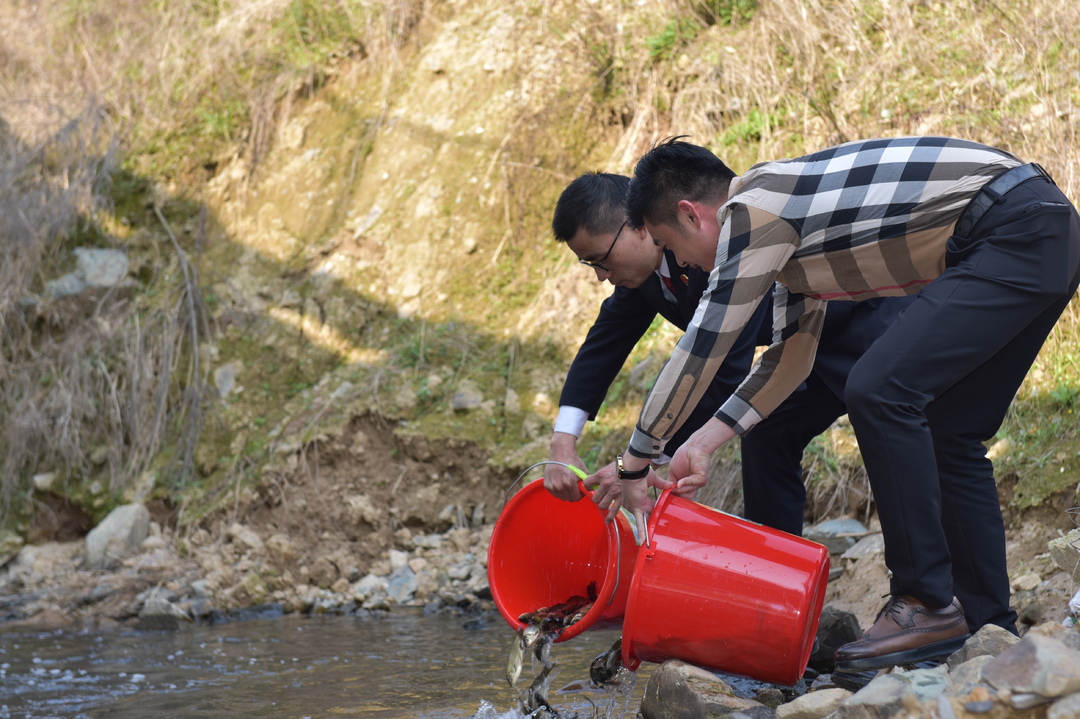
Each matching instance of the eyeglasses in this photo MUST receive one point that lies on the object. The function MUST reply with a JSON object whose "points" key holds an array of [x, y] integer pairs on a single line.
{"points": [[599, 264]]}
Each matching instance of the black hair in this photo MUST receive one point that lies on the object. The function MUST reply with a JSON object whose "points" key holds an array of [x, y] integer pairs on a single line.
{"points": [[671, 171], [596, 201]]}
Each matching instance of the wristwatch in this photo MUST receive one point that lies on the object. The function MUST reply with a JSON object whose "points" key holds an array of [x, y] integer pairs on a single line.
{"points": [[627, 474]]}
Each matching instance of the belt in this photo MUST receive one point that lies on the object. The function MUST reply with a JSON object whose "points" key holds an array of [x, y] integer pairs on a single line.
{"points": [[993, 192]]}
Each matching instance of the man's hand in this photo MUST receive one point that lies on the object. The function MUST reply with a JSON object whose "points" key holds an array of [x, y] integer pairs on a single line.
{"points": [[690, 467], [560, 481], [691, 464], [632, 494], [607, 491]]}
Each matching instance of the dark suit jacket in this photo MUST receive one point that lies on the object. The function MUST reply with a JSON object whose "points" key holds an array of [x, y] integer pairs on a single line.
{"points": [[849, 329], [624, 318]]}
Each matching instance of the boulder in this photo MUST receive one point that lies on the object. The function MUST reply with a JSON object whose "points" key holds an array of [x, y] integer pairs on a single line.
{"points": [[678, 690], [119, 535]]}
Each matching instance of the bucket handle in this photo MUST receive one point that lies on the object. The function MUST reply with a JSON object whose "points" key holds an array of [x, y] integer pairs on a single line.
{"points": [[581, 474]]}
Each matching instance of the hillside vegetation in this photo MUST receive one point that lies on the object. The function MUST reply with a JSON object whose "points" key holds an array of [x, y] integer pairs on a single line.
{"points": [[340, 208]]}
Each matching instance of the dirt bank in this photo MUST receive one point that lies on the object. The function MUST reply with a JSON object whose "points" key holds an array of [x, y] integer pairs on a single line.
{"points": [[369, 519]]}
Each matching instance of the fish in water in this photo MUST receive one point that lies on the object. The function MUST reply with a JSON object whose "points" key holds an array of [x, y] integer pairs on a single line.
{"points": [[513, 666], [556, 618], [535, 697], [540, 629], [530, 638], [606, 665]]}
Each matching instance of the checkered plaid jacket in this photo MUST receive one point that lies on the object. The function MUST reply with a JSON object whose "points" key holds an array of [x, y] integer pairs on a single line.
{"points": [[859, 220]]}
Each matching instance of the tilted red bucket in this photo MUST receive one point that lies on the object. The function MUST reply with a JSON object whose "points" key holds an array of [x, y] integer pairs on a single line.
{"points": [[544, 550], [725, 594]]}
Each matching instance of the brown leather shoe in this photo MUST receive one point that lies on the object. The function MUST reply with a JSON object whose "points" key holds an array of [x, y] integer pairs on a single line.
{"points": [[905, 631]]}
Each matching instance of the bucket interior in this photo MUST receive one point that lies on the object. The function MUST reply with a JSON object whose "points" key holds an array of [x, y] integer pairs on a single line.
{"points": [[544, 551]]}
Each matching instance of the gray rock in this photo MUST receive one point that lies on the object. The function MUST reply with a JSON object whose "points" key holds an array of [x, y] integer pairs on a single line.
{"points": [[427, 541], [225, 378], [377, 601], [460, 570], [368, 586], [94, 267], [69, 284], [100, 267], [990, 640], [245, 536], [768, 695], [44, 482], [761, 712], [963, 678], [1066, 555], [402, 585], [1065, 708], [889, 694], [1036, 665], [677, 690], [10, 544], [835, 628], [280, 549], [837, 535], [158, 613], [468, 396], [119, 535], [323, 573], [868, 546], [813, 705]]}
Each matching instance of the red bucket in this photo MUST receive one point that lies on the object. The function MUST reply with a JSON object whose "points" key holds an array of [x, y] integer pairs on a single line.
{"points": [[725, 594], [545, 550]]}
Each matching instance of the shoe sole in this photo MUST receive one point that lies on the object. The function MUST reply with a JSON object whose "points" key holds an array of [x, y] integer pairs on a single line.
{"points": [[937, 650]]}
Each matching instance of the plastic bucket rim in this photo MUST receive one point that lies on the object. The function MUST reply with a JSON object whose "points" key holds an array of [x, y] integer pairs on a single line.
{"points": [[605, 593], [628, 659]]}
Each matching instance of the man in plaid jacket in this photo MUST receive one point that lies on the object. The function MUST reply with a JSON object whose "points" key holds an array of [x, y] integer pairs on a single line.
{"points": [[992, 248]]}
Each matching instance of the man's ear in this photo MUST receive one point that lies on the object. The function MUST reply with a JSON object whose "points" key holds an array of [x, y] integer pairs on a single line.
{"points": [[689, 210]]}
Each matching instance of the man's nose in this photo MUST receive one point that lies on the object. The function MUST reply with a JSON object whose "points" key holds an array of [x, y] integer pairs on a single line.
{"points": [[601, 275]]}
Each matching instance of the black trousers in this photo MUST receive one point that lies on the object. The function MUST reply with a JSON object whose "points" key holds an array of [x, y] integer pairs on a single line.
{"points": [[772, 452], [936, 385]]}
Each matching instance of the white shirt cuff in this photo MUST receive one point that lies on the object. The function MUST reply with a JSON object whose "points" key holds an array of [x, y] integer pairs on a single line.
{"points": [[571, 420]]}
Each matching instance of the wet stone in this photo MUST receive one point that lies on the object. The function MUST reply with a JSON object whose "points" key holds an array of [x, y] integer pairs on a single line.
{"points": [[677, 689], [835, 628], [158, 613]]}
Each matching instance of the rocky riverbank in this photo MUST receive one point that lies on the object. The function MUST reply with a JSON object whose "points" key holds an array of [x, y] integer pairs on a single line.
{"points": [[132, 572]]}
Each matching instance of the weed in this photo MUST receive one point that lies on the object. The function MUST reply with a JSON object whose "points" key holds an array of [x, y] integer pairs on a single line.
{"points": [[675, 35]]}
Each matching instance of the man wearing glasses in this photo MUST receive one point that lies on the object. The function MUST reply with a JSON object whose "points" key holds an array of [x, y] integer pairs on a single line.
{"points": [[590, 217]]}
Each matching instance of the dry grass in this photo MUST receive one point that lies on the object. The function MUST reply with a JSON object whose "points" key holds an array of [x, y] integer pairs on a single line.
{"points": [[176, 88], [89, 381], [111, 386], [805, 74]]}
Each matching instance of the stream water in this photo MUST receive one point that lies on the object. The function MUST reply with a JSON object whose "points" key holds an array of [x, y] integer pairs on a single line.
{"points": [[405, 664]]}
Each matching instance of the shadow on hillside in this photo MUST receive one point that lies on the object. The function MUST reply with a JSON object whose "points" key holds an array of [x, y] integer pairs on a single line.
{"points": [[282, 359]]}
